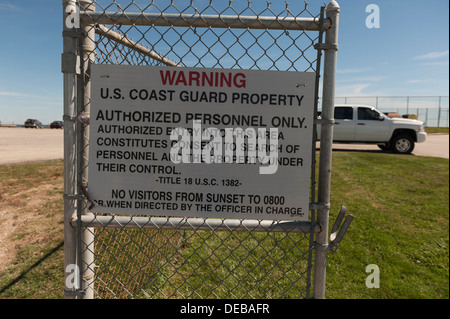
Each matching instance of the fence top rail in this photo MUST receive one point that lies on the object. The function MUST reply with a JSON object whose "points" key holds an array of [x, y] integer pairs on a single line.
{"points": [[204, 21], [391, 96], [91, 220]]}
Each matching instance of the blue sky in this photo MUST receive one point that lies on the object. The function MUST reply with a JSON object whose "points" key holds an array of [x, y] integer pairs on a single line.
{"points": [[407, 55]]}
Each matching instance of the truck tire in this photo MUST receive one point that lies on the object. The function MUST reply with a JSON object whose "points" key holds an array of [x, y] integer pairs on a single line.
{"points": [[402, 144]]}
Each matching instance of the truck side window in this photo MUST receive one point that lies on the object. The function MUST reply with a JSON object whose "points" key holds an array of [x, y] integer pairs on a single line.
{"points": [[367, 114], [343, 113]]}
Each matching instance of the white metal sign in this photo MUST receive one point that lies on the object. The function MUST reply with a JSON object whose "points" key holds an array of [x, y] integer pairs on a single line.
{"points": [[193, 142]]}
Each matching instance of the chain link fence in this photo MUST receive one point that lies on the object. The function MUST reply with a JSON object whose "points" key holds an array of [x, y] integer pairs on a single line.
{"points": [[122, 256], [433, 110]]}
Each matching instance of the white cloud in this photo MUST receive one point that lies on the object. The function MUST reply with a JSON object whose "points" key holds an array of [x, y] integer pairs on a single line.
{"points": [[443, 63], [356, 70], [363, 79], [352, 90], [432, 55], [6, 6], [29, 98], [4, 93], [419, 81]]}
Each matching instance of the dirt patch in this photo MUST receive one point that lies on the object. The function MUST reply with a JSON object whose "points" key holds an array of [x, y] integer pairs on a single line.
{"points": [[31, 214]]}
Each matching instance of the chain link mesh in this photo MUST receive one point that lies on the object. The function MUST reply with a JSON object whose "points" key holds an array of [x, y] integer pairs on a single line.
{"points": [[135, 260]]}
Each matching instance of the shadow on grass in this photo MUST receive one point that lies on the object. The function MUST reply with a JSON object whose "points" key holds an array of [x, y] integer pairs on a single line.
{"points": [[37, 263]]}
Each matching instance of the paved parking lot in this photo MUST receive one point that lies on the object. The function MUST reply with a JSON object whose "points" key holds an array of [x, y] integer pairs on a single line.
{"points": [[436, 145], [18, 144]]}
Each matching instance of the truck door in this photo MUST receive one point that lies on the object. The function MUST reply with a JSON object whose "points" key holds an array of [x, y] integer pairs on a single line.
{"points": [[344, 128], [371, 125]]}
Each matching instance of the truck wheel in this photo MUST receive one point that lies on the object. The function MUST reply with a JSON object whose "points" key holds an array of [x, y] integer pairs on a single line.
{"points": [[402, 144]]}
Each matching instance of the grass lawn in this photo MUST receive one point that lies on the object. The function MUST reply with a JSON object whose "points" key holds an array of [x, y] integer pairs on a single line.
{"points": [[442, 130], [400, 204]]}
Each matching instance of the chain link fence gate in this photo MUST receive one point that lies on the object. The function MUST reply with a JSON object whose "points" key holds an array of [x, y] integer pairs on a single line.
{"points": [[121, 256]]}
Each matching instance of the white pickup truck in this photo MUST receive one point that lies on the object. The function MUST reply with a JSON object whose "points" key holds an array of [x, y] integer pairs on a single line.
{"points": [[365, 124]]}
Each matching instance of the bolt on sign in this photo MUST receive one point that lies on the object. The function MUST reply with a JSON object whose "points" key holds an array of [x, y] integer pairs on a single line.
{"points": [[195, 142]]}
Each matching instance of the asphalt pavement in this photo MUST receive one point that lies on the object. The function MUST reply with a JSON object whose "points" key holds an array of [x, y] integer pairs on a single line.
{"points": [[18, 144], [436, 145]]}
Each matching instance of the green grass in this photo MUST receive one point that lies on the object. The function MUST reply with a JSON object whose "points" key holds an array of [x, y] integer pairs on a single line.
{"points": [[37, 270], [35, 277], [401, 210], [401, 206], [437, 129]]}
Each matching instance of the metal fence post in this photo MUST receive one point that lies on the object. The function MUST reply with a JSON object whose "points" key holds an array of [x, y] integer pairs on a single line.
{"points": [[330, 59], [439, 115], [87, 234], [69, 65], [407, 104]]}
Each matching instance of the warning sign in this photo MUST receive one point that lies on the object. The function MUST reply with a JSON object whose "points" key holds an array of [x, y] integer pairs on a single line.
{"points": [[192, 142]]}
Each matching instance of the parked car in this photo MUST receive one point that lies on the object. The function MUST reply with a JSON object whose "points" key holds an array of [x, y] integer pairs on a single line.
{"points": [[57, 124], [365, 124], [33, 123]]}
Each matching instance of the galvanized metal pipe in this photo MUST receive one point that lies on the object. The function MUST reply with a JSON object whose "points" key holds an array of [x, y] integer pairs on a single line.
{"points": [[69, 70], [107, 33], [215, 224], [87, 234], [203, 21], [313, 151], [326, 141]]}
